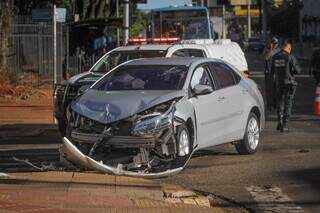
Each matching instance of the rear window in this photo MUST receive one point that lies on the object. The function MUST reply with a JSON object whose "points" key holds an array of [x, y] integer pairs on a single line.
{"points": [[224, 75], [189, 53]]}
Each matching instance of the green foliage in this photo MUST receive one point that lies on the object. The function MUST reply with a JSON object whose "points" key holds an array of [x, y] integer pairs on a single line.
{"points": [[139, 25]]}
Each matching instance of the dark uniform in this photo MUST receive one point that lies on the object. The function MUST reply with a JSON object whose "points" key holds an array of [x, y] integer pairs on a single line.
{"points": [[269, 79], [284, 67]]}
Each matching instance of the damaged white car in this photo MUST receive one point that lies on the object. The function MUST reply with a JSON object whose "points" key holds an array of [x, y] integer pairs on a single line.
{"points": [[147, 116]]}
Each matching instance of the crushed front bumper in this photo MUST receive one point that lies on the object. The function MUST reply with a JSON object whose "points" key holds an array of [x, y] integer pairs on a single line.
{"points": [[73, 154]]}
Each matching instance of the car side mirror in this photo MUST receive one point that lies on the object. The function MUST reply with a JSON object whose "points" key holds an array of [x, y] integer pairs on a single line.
{"points": [[201, 90]]}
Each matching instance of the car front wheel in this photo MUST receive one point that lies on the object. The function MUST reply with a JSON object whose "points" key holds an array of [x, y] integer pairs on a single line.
{"points": [[250, 142], [183, 139]]}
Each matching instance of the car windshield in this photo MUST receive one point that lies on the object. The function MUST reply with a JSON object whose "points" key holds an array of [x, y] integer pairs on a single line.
{"points": [[152, 77], [117, 57]]}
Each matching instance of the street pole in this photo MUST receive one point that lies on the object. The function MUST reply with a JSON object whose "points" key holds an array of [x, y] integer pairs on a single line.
{"points": [[300, 28], [224, 22], [54, 22], [249, 18], [118, 30], [264, 20], [125, 21]]}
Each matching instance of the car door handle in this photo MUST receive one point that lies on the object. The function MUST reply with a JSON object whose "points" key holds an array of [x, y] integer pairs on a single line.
{"points": [[245, 91], [221, 98]]}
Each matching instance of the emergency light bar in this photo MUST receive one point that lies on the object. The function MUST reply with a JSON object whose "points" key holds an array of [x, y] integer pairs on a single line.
{"points": [[153, 40]]}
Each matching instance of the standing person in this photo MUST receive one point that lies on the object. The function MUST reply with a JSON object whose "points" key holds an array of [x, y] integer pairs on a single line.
{"points": [[284, 68], [315, 65], [268, 53]]}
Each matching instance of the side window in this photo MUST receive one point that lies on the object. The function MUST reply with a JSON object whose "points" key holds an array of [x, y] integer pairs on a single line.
{"points": [[222, 74], [189, 53], [200, 76], [236, 76]]}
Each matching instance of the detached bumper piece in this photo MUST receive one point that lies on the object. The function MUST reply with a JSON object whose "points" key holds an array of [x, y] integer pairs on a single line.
{"points": [[114, 141], [73, 154]]}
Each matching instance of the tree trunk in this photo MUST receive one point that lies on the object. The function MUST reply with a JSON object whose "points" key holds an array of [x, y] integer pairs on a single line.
{"points": [[5, 24]]}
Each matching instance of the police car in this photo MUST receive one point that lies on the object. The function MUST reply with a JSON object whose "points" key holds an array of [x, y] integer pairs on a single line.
{"points": [[222, 49]]}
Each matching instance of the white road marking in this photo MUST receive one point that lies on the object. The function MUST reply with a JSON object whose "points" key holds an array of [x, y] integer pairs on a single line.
{"points": [[271, 199]]}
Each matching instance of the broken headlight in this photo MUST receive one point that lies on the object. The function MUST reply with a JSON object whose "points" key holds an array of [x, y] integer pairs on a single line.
{"points": [[153, 123]]}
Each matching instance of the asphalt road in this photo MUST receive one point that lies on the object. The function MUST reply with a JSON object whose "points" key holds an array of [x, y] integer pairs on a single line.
{"points": [[283, 176]]}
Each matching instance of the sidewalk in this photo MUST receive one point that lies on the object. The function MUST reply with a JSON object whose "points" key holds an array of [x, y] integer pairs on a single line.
{"points": [[89, 192], [32, 113]]}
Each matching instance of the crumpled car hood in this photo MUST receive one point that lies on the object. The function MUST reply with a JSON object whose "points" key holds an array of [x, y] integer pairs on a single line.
{"points": [[107, 107]]}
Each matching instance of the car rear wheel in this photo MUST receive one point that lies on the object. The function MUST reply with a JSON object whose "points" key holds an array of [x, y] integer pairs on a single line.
{"points": [[250, 142]]}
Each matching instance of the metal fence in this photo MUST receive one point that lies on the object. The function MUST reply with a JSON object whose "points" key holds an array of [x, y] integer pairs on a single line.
{"points": [[31, 49]]}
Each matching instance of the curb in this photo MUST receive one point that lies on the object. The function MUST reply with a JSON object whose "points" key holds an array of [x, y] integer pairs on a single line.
{"points": [[98, 191]]}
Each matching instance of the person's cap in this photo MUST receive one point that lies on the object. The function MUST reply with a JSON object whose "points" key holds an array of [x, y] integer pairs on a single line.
{"points": [[274, 40]]}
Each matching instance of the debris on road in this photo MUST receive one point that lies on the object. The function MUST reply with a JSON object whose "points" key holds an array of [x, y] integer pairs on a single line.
{"points": [[177, 194], [42, 167], [272, 199]]}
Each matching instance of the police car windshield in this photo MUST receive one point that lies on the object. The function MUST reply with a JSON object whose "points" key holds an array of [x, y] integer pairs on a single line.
{"points": [[163, 77], [117, 57]]}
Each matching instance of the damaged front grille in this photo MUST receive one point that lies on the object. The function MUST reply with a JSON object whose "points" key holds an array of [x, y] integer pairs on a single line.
{"points": [[143, 142]]}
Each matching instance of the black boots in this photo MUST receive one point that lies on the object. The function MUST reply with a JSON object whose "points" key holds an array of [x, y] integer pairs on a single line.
{"points": [[284, 128], [279, 126]]}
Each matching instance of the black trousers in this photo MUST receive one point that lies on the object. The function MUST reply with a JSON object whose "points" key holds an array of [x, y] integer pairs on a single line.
{"points": [[285, 96]]}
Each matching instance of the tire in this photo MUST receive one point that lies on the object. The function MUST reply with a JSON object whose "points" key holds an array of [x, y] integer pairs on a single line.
{"points": [[249, 144], [184, 143], [62, 126]]}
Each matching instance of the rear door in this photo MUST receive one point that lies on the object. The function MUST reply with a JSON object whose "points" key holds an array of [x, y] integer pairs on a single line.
{"points": [[234, 98], [189, 52]]}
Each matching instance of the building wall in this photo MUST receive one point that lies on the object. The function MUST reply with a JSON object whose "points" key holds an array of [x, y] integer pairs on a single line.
{"points": [[311, 19]]}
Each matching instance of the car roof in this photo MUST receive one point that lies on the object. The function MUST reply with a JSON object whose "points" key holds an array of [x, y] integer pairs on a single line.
{"points": [[144, 47], [184, 61]]}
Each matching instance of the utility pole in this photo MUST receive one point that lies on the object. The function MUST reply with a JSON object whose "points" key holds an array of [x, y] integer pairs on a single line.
{"points": [[249, 18], [54, 23], [118, 30], [224, 22], [300, 4], [125, 21], [264, 20]]}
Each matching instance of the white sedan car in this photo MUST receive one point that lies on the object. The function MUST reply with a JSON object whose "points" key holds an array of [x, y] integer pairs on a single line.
{"points": [[147, 117]]}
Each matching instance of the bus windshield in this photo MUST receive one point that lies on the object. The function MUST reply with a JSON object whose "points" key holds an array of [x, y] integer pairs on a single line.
{"points": [[182, 23]]}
